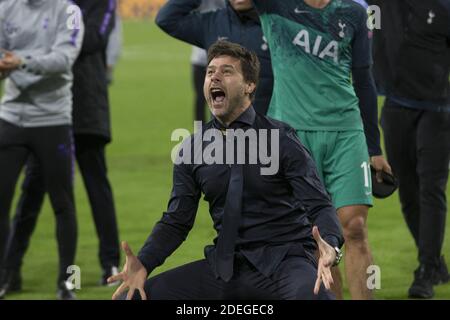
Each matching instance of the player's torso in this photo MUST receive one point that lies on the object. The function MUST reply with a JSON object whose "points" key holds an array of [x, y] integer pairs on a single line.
{"points": [[321, 36], [427, 23], [424, 44], [312, 59]]}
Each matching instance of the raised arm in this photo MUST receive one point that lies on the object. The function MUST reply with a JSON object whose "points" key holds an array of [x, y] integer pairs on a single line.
{"points": [[178, 19]]}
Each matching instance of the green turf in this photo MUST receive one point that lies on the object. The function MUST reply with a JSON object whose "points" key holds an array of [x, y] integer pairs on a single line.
{"points": [[151, 96]]}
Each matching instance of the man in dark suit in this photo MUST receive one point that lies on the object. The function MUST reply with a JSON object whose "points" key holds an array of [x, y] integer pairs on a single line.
{"points": [[263, 211]]}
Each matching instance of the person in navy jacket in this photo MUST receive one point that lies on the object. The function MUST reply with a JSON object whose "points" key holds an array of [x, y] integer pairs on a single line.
{"points": [[238, 23]]}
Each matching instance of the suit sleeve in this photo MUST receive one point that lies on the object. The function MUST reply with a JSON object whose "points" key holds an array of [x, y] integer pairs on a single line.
{"points": [[300, 170], [176, 223], [177, 19], [61, 57]]}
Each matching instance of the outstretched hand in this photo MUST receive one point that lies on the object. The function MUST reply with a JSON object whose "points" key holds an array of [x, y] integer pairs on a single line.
{"points": [[326, 260], [133, 276]]}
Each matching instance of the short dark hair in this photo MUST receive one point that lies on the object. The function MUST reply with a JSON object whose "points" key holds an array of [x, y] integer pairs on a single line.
{"points": [[249, 61]]}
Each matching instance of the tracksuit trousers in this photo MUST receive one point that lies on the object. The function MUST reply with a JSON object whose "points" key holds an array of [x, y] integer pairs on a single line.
{"points": [[53, 148], [90, 155]]}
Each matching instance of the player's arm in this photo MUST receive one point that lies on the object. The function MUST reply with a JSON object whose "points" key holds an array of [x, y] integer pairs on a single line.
{"points": [[99, 22], [31, 68], [364, 84], [300, 170], [178, 19], [366, 92], [365, 89]]}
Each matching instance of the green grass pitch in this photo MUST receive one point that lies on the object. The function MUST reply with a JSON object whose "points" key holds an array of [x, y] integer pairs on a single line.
{"points": [[151, 96]]}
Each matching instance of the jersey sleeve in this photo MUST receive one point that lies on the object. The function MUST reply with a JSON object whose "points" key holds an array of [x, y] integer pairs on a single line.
{"points": [[362, 41]]}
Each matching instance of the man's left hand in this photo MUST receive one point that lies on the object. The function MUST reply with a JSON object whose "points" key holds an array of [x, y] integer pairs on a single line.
{"points": [[9, 61], [327, 256], [380, 164]]}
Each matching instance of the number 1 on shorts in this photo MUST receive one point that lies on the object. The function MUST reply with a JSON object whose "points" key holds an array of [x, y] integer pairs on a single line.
{"points": [[366, 168]]}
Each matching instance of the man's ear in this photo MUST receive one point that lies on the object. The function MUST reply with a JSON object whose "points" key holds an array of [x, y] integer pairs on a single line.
{"points": [[250, 88]]}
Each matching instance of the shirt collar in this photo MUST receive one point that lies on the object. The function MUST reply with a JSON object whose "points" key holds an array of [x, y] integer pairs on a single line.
{"points": [[247, 118]]}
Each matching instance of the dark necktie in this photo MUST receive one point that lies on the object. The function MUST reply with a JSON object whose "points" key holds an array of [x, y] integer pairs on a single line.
{"points": [[230, 223]]}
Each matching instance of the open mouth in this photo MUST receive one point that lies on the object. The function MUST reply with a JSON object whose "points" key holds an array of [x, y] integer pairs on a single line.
{"points": [[217, 95]]}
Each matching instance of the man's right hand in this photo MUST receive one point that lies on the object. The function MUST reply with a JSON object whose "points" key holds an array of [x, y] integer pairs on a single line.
{"points": [[133, 276]]}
